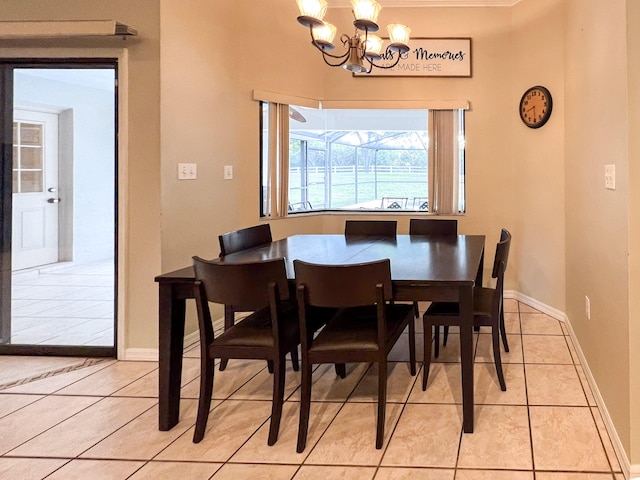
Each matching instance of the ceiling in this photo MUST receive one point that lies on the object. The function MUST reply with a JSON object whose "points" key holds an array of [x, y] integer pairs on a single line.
{"points": [[434, 3]]}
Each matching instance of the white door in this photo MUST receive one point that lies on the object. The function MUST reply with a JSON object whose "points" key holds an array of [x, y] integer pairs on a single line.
{"points": [[35, 189]]}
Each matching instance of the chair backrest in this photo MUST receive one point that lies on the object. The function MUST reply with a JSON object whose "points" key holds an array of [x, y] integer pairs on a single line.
{"points": [[499, 267], [245, 238], [343, 285], [244, 285], [502, 253], [386, 228], [431, 226]]}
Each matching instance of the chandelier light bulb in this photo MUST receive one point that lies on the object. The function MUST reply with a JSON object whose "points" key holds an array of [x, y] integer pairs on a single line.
{"points": [[373, 45], [366, 9], [324, 35], [399, 35], [366, 13], [311, 12]]}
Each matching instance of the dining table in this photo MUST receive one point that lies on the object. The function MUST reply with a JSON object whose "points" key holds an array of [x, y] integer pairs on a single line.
{"points": [[423, 268]]}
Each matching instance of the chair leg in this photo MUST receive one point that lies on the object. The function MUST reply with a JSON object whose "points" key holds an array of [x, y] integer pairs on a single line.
{"points": [[305, 406], [223, 363], [412, 347], [294, 359], [416, 310], [382, 402], [278, 398], [204, 400], [503, 332], [426, 358], [445, 335], [270, 366], [496, 356], [229, 320], [436, 340], [341, 370]]}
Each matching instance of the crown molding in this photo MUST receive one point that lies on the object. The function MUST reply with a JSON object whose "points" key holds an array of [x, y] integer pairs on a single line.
{"points": [[434, 3]]}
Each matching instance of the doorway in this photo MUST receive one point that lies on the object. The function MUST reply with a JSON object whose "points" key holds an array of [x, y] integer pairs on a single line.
{"points": [[59, 207]]}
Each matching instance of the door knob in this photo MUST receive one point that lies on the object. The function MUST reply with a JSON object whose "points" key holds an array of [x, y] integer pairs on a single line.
{"points": [[53, 200]]}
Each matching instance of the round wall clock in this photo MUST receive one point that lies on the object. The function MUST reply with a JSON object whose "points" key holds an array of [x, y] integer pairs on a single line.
{"points": [[536, 106]]}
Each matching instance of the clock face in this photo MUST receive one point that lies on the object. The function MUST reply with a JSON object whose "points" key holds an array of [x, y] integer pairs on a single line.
{"points": [[535, 107]]}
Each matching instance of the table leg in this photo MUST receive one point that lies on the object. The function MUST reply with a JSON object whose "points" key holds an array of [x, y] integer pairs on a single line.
{"points": [[171, 343], [466, 354], [479, 275]]}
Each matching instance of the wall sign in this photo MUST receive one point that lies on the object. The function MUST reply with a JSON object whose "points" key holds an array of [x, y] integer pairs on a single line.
{"points": [[429, 57]]}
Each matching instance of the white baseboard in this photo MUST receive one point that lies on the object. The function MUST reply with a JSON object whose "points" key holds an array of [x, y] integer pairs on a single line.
{"points": [[151, 354], [533, 303], [628, 470], [192, 339], [141, 354]]}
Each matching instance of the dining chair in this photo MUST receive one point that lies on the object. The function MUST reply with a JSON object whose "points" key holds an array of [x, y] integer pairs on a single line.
{"points": [[385, 228], [365, 327], [244, 238], [432, 226], [487, 311], [236, 241], [394, 202], [421, 203], [300, 206], [268, 333]]}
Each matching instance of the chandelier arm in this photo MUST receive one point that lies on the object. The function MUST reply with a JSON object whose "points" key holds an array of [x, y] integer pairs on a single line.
{"points": [[385, 67], [344, 58], [325, 53]]}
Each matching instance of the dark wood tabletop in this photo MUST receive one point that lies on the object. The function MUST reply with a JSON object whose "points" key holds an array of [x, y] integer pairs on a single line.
{"points": [[436, 268]]}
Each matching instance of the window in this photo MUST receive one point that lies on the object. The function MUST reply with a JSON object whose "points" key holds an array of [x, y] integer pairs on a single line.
{"points": [[361, 160]]}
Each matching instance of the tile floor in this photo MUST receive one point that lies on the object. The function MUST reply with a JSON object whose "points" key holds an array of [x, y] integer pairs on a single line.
{"points": [[63, 304], [99, 420]]}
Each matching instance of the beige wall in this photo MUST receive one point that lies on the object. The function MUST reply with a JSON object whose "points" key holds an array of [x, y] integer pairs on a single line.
{"points": [[597, 231], [538, 154], [633, 66]]}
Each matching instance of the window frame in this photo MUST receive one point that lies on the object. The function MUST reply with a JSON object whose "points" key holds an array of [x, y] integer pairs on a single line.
{"points": [[302, 207]]}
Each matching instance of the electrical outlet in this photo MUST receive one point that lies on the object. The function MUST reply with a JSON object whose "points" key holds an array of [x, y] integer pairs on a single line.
{"points": [[610, 177], [228, 172], [187, 171], [587, 307]]}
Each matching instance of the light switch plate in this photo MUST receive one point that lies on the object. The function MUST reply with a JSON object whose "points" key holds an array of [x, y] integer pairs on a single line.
{"points": [[610, 177], [187, 171], [228, 172]]}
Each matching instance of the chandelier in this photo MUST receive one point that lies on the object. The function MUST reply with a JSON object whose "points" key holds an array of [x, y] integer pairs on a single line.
{"points": [[362, 49]]}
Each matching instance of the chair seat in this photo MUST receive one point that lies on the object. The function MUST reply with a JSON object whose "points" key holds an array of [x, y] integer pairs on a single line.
{"points": [[255, 330], [356, 328], [482, 303]]}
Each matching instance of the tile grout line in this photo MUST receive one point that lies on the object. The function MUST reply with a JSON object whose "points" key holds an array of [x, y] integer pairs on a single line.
{"points": [[526, 393], [88, 362]]}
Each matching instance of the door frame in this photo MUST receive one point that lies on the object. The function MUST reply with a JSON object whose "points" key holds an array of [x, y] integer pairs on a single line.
{"points": [[72, 58]]}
